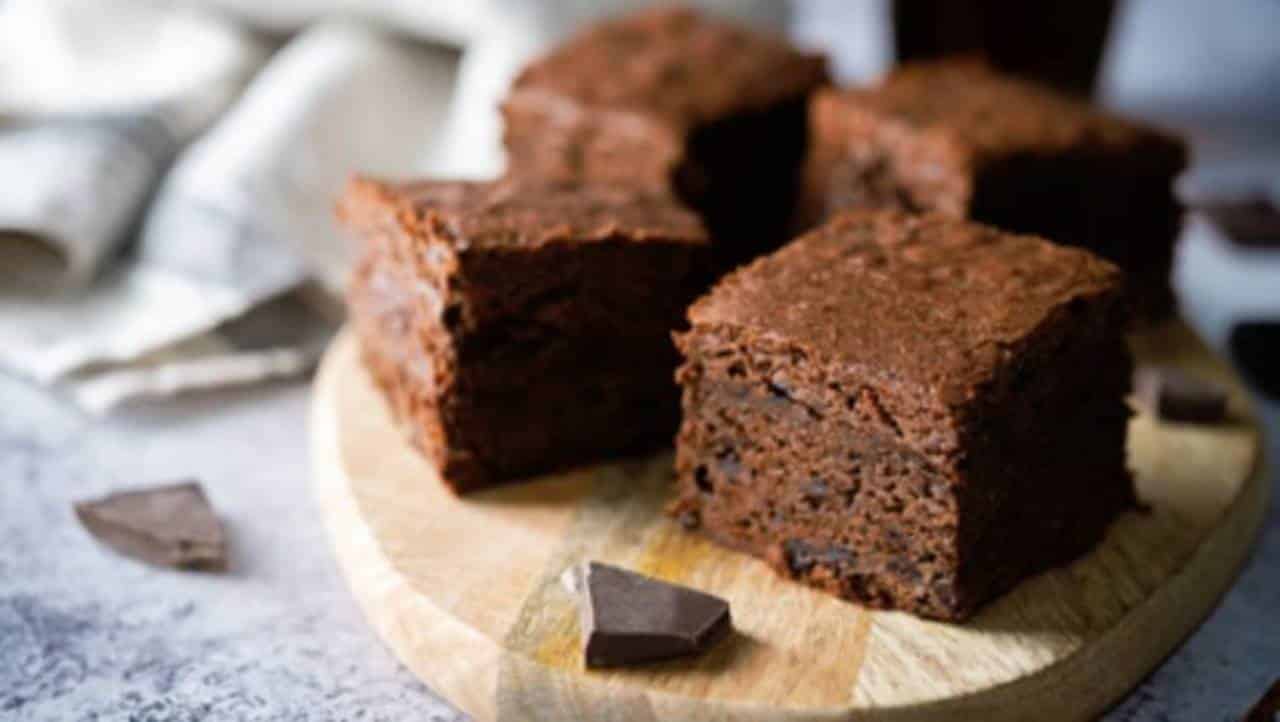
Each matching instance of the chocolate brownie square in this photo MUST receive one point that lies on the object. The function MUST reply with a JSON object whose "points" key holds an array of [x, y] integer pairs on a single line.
{"points": [[673, 100], [908, 411], [515, 328], [955, 137]]}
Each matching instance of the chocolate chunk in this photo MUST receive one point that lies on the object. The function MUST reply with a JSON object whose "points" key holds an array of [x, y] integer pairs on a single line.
{"points": [[1255, 348], [838, 556], [628, 618], [1175, 395], [801, 557], [1254, 223], [171, 526], [1266, 709]]}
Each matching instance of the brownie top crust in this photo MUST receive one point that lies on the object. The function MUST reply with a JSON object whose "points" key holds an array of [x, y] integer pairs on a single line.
{"points": [[675, 64], [926, 300], [520, 214], [992, 115]]}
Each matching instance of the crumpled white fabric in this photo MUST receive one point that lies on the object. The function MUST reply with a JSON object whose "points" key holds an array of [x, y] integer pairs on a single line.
{"points": [[96, 108], [242, 216], [168, 172]]}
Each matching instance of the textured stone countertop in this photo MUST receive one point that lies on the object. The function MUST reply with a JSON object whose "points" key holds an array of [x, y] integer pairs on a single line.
{"points": [[86, 635]]}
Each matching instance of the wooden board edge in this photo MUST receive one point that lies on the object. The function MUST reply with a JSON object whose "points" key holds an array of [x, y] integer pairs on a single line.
{"points": [[1081, 686], [375, 583]]}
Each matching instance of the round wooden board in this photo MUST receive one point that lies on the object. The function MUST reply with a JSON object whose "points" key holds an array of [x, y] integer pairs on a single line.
{"points": [[465, 591]]}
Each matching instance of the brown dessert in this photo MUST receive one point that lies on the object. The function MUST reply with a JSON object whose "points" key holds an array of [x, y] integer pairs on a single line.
{"points": [[673, 100], [516, 328], [960, 139], [908, 411]]}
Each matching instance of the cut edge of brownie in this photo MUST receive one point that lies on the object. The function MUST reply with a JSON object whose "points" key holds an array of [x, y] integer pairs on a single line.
{"points": [[504, 361]]}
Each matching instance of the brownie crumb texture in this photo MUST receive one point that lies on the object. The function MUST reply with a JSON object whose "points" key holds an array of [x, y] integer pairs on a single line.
{"points": [[678, 101], [519, 328], [907, 411], [958, 138]]}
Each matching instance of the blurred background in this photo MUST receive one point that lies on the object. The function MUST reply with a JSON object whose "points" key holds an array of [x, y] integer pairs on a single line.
{"points": [[167, 177], [169, 167]]}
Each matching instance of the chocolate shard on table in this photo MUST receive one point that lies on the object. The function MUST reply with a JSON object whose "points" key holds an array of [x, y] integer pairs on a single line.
{"points": [[630, 619], [910, 411], [957, 138], [520, 327], [1173, 394], [172, 526], [678, 101]]}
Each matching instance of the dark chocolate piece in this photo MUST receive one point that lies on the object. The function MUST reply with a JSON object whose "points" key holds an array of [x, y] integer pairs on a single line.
{"points": [[1176, 395], [1255, 348], [674, 100], [1266, 709], [519, 328], [628, 618], [864, 409], [172, 526], [961, 139], [1251, 223]]}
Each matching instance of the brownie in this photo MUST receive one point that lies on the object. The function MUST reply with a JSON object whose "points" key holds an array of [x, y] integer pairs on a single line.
{"points": [[673, 100], [908, 411], [1057, 43], [958, 138], [517, 328]]}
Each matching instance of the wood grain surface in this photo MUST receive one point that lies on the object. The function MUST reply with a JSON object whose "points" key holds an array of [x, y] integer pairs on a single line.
{"points": [[465, 591]]}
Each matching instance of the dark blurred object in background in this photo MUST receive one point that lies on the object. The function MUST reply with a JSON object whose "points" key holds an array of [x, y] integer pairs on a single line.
{"points": [[1253, 222], [1059, 43], [1255, 349]]}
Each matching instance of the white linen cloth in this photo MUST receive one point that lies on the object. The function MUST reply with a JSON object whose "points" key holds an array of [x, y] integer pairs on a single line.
{"points": [[167, 174], [241, 217]]}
